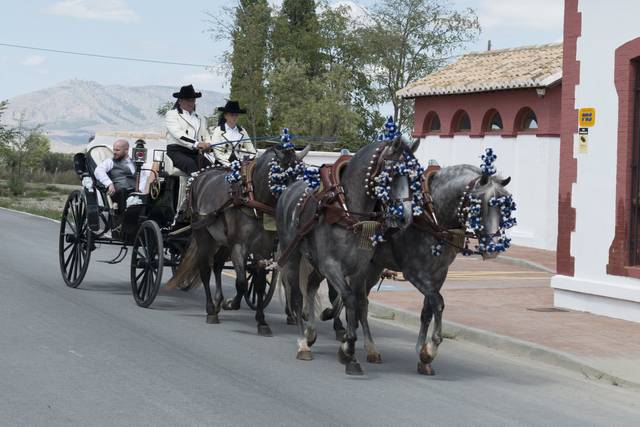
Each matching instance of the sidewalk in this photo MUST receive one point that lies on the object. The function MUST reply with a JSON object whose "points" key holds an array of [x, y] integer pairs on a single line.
{"points": [[508, 304]]}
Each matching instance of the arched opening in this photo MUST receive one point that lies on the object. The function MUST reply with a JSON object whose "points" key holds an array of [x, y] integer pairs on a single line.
{"points": [[492, 121], [431, 123], [526, 120], [461, 122]]}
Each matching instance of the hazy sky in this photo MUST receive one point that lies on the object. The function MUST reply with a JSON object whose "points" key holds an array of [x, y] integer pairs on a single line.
{"points": [[176, 31]]}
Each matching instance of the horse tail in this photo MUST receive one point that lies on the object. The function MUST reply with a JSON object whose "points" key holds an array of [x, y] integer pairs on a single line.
{"points": [[187, 274]]}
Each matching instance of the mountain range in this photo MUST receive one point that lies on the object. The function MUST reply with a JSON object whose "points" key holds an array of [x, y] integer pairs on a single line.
{"points": [[71, 111]]}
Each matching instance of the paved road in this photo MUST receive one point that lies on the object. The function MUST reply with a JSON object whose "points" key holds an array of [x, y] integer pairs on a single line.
{"points": [[90, 356]]}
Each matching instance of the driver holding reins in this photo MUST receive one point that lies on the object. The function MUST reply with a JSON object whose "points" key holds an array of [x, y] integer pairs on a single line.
{"points": [[187, 132], [230, 141]]}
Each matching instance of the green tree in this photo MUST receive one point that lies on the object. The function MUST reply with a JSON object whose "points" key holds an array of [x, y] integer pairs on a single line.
{"points": [[23, 149], [296, 35], [248, 61], [410, 39], [162, 109]]}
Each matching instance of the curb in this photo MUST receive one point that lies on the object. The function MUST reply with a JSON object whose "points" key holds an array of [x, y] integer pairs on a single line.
{"points": [[513, 346], [523, 263]]}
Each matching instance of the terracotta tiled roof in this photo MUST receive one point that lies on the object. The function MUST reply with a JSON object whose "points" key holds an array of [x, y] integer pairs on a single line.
{"points": [[522, 67]]}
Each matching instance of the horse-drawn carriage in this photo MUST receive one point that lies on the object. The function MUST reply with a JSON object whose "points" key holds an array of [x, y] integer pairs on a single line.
{"points": [[146, 226]]}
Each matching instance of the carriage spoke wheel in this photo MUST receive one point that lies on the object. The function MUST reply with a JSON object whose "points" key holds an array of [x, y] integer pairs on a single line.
{"points": [[251, 296], [75, 241], [147, 260]]}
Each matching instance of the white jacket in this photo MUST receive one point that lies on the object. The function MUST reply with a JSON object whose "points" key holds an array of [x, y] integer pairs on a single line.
{"points": [[223, 152], [181, 132]]}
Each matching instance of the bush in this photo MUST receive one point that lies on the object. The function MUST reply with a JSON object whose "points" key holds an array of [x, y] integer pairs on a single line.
{"points": [[16, 185]]}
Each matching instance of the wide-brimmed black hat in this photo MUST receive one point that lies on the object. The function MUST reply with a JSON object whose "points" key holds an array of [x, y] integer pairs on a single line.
{"points": [[187, 92], [232, 107]]}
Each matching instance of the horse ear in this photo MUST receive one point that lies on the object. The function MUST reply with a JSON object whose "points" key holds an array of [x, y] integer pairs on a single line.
{"points": [[396, 143], [301, 154], [484, 180], [505, 181], [415, 145]]}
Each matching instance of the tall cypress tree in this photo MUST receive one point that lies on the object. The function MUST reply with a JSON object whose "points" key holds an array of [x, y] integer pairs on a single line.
{"points": [[249, 41]]}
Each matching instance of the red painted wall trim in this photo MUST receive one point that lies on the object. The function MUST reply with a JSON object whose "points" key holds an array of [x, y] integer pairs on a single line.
{"points": [[568, 126], [624, 74]]}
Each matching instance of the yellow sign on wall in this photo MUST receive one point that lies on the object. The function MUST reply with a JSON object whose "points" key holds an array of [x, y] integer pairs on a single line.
{"points": [[586, 117]]}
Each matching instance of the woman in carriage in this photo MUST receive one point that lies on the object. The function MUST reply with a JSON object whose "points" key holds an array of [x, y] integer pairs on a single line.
{"points": [[231, 141]]}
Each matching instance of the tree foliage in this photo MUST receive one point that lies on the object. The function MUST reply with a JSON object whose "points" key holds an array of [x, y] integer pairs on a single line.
{"points": [[410, 39], [248, 61], [315, 69]]}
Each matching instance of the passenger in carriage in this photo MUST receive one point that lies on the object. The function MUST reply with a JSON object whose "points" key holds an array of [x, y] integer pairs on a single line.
{"points": [[187, 133], [229, 134], [118, 174]]}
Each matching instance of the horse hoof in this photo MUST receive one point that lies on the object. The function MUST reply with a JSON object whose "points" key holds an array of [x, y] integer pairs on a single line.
{"points": [[231, 305], [264, 331], [327, 314], [340, 334], [353, 368], [212, 319], [291, 320], [374, 358], [425, 369], [342, 356], [304, 355], [312, 339]]}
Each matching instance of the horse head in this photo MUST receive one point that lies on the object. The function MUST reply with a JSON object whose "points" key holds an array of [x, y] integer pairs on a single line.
{"points": [[277, 168], [489, 214], [398, 171]]}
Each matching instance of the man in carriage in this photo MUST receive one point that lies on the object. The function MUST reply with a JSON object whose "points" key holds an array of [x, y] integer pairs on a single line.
{"points": [[118, 174]]}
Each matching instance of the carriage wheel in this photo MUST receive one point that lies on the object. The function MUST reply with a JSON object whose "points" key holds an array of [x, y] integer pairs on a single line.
{"points": [[147, 260], [75, 241], [251, 296]]}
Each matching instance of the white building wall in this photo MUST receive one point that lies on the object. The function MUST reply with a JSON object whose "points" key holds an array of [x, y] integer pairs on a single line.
{"points": [[605, 26], [532, 162]]}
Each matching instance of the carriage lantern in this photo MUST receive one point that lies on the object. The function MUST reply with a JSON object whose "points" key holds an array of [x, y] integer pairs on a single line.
{"points": [[139, 153]]}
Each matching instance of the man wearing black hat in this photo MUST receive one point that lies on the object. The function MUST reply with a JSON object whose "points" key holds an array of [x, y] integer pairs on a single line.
{"points": [[230, 140], [186, 132]]}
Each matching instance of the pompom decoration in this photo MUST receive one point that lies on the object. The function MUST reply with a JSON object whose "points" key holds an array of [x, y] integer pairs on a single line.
{"points": [[234, 173], [408, 166], [285, 140], [470, 214], [487, 166], [376, 239], [311, 176], [436, 250], [390, 130]]}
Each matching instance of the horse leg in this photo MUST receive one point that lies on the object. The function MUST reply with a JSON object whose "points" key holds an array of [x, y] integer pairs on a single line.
{"points": [[260, 281], [437, 307], [424, 364], [291, 279], [312, 290], [346, 351], [218, 265], [238, 258], [205, 243], [333, 312], [373, 355]]}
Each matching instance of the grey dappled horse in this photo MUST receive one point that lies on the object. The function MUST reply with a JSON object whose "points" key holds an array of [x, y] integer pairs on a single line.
{"points": [[410, 252], [232, 234], [334, 250]]}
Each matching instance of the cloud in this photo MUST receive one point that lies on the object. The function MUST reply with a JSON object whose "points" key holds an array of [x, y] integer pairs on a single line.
{"points": [[33, 60], [205, 80], [527, 15], [102, 10]]}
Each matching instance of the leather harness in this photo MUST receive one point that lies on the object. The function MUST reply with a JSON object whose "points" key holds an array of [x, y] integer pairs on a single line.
{"points": [[241, 195]]}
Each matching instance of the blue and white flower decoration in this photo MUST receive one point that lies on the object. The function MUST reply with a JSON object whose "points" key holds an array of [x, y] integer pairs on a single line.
{"points": [[234, 173]]}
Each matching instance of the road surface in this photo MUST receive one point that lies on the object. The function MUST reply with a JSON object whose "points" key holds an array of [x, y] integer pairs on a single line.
{"points": [[90, 356]]}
